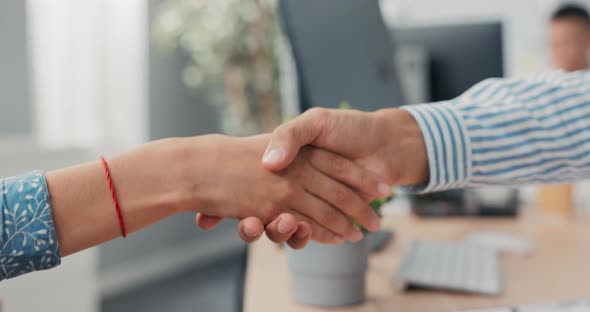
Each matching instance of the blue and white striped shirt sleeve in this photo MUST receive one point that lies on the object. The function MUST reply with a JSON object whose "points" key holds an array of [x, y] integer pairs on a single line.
{"points": [[509, 131]]}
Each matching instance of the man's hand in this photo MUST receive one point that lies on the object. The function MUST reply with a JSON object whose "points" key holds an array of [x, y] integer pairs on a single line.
{"points": [[387, 142]]}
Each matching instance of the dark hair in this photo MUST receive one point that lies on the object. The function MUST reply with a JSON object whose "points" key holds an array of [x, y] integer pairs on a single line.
{"points": [[572, 10]]}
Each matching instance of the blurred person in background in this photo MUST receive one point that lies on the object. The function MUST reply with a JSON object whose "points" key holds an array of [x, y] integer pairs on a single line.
{"points": [[569, 42], [569, 38]]}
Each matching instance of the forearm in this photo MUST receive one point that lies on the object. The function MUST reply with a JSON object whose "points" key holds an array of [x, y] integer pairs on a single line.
{"points": [[83, 210], [509, 131], [46, 216]]}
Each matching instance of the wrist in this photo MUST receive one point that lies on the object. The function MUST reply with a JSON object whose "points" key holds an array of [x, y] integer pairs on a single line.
{"points": [[447, 142], [149, 182], [404, 144], [212, 168]]}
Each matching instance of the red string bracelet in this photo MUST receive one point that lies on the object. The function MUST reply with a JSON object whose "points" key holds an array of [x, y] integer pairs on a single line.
{"points": [[114, 195]]}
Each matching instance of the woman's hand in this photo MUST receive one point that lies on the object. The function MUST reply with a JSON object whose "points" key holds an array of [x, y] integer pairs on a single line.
{"points": [[215, 175], [228, 180]]}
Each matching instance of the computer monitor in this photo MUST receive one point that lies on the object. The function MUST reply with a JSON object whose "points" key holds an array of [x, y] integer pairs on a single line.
{"points": [[343, 53], [459, 55]]}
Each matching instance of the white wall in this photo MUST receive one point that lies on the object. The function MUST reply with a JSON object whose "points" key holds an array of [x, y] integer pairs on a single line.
{"points": [[89, 72], [15, 104]]}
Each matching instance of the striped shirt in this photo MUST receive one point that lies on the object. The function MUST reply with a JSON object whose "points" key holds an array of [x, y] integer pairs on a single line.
{"points": [[508, 132]]}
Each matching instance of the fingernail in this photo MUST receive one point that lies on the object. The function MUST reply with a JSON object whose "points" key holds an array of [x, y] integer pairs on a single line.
{"points": [[384, 189], [249, 233], [283, 227], [272, 156], [356, 235]]}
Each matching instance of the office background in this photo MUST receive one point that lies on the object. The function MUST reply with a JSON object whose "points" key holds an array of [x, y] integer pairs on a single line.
{"points": [[80, 78]]}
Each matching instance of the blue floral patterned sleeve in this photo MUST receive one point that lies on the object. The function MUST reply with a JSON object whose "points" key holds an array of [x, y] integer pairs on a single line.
{"points": [[28, 241]]}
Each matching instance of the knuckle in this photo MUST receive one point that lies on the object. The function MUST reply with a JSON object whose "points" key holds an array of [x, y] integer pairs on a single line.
{"points": [[367, 182], [363, 215], [279, 130], [273, 211], [326, 216], [334, 220], [339, 164], [315, 157], [285, 132], [342, 196], [286, 192], [323, 235], [318, 112], [318, 116], [395, 176]]}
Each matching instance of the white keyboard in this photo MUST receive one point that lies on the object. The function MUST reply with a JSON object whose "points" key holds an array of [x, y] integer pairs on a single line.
{"points": [[582, 305], [451, 266]]}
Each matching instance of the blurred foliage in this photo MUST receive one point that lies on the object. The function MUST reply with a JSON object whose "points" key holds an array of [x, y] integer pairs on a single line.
{"points": [[236, 43], [376, 204]]}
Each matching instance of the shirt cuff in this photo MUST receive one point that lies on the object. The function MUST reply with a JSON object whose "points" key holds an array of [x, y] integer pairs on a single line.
{"points": [[447, 145], [28, 241]]}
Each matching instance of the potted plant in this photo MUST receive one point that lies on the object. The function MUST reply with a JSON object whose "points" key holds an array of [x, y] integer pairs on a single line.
{"points": [[237, 45], [331, 275]]}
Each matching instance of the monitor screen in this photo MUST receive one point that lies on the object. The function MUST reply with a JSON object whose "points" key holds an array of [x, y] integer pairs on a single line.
{"points": [[343, 53], [460, 55]]}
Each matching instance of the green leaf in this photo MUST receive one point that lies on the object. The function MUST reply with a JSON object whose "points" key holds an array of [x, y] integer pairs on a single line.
{"points": [[344, 105], [376, 205]]}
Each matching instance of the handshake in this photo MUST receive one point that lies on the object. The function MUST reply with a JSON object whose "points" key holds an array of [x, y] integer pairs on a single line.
{"points": [[315, 174]]}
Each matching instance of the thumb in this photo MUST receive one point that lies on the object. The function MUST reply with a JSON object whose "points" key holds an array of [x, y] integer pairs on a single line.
{"points": [[279, 153], [289, 138]]}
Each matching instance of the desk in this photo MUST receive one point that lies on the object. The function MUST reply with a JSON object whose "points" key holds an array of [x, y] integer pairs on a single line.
{"points": [[558, 269]]}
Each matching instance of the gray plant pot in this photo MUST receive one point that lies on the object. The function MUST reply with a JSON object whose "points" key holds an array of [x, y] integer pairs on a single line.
{"points": [[329, 275]]}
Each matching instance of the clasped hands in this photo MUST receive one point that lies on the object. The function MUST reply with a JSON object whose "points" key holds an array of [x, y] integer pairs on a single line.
{"points": [[321, 170]]}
